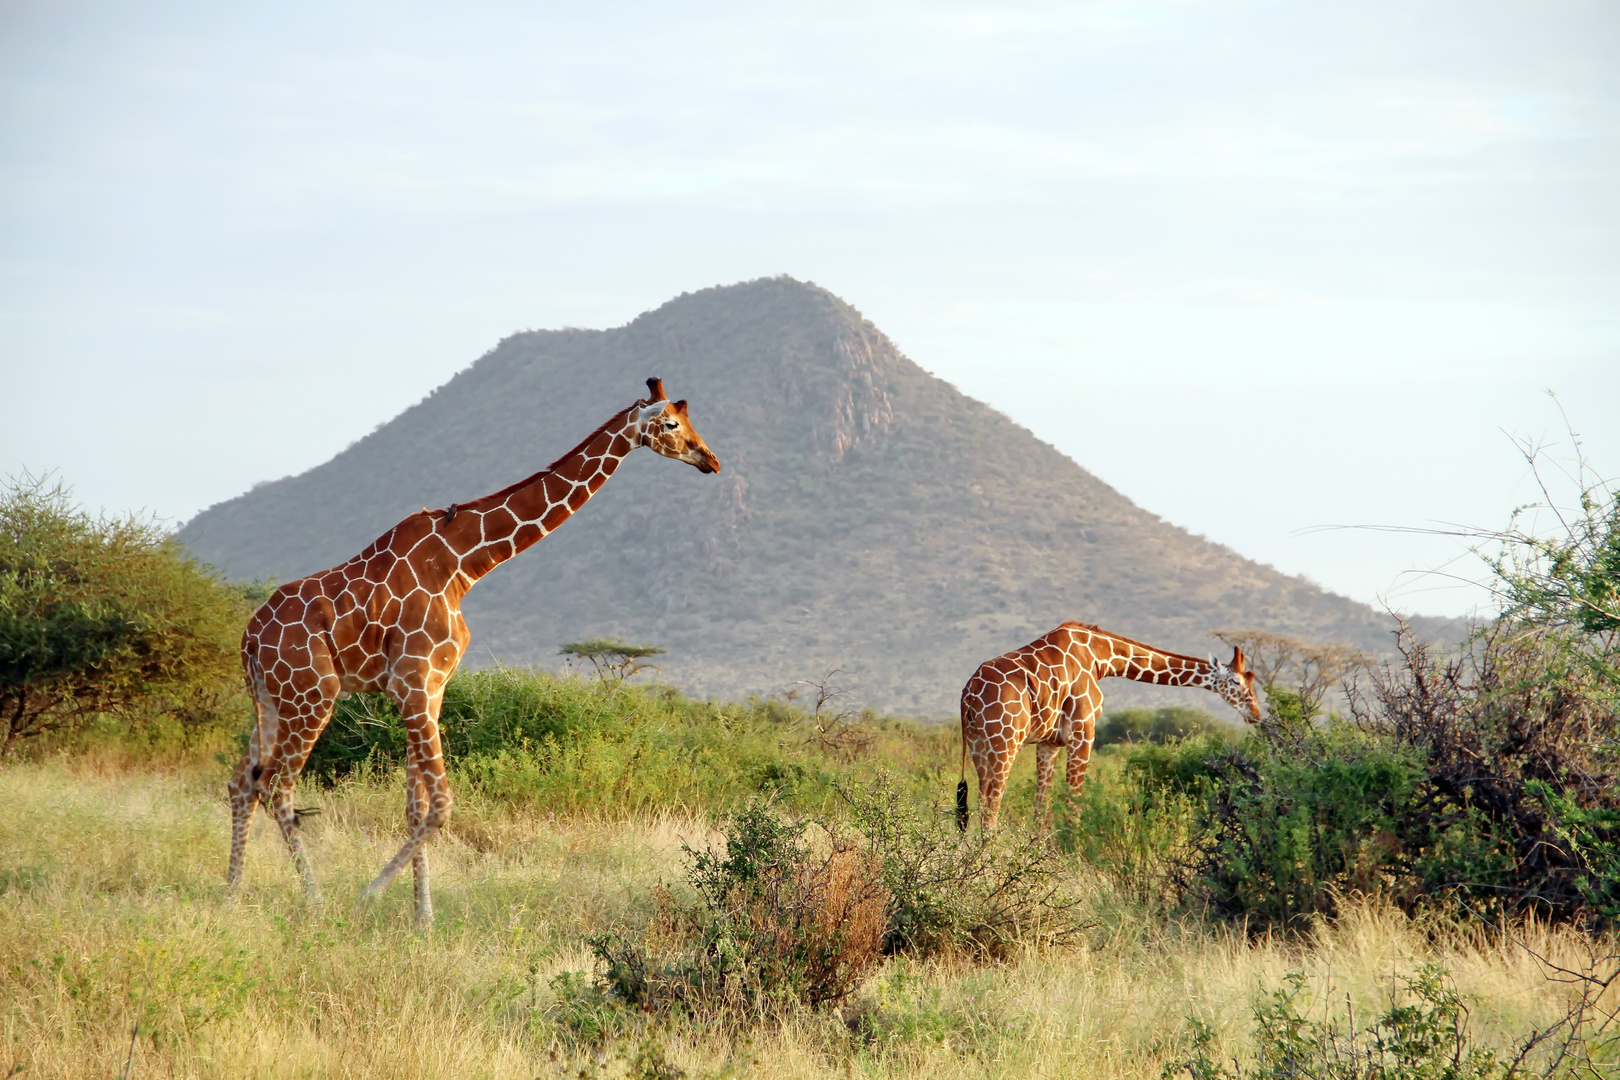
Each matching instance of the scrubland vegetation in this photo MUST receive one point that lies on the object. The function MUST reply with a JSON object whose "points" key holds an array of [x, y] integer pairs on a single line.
{"points": [[1423, 884], [114, 914], [777, 914]]}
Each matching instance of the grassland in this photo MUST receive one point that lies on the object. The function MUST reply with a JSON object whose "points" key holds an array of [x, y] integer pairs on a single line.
{"points": [[113, 920]]}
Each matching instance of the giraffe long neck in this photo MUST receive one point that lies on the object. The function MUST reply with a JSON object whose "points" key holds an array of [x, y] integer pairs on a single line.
{"points": [[498, 526], [1143, 663]]}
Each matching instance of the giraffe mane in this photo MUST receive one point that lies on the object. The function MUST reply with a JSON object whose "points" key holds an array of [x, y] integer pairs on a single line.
{"points": [[1094, 628], [615, 419]]}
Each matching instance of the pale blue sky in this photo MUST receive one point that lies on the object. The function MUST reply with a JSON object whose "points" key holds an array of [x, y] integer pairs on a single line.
{"points": [[1262, 266]]}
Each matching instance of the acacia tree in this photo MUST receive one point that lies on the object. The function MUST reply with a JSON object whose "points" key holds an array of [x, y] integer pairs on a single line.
{"points": [[101, 615], [1306, 670], [613, 661]]}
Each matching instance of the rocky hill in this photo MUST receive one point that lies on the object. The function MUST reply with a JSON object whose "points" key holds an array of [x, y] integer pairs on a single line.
{"points": [[869, 517]]}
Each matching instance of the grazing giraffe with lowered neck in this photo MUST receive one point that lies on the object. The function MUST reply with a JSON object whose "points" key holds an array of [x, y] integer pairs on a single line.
{"points": [[1046, 693], [389, 620]]}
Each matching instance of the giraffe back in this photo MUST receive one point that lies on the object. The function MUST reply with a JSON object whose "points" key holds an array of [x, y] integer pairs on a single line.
{"points": [[395, 603]]}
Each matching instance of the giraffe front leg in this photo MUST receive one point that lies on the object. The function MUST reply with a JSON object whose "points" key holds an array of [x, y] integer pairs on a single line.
{"points": [[1045, 773], [1074, 771]]}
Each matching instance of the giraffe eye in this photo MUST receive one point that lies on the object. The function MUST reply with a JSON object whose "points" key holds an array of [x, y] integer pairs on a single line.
{"points": [[670, 425]]}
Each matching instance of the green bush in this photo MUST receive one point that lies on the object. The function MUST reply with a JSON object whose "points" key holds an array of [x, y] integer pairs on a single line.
{"points": [[1520, 745], [1283, 825], [984, 894], [1286, 828], [580, 745], [1591, 837], [484, 713], [1135, 816], [1422, 1035], [1488, 778], [775, 927], [791, 913], [107, 616], [1165, 725]]}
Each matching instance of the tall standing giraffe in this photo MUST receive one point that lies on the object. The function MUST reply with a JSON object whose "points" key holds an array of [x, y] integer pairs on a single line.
{"points": [[390, 620], [1046, 693]]}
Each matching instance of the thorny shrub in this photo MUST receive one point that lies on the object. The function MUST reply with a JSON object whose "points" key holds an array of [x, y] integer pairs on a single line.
{"points": [[776, 925], [792, 914], [984, 894], [1488, 779], [1520, 742]]}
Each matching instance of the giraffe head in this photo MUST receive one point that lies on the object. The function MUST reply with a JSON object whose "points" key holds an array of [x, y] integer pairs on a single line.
{"points": [[1235, 683], [666, 429]]}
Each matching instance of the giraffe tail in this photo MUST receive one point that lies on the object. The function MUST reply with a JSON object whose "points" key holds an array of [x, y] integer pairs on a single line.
{"points": [[961, 785]]}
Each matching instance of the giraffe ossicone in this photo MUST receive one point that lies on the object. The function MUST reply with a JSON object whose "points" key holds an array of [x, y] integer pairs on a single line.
{"points": [[1047, 694], [389, 620]]}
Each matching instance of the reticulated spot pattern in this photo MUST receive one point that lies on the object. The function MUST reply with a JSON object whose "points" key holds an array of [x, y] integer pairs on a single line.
{"points": [[1047, 694]]}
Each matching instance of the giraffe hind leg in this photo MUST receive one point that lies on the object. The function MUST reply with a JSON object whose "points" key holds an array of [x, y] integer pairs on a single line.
{"points": [[242, 790], [1045, 771], [243, 793], [1004, 720], [301, 708], [427, 797], [993, 761], [416, 804], [281, 808]]}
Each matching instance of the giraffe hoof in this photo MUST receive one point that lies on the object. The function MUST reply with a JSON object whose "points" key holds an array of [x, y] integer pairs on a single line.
{"points": [[378, 886]]}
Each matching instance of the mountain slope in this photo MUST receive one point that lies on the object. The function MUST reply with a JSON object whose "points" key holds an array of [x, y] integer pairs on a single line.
{"points": [[869, 517]]}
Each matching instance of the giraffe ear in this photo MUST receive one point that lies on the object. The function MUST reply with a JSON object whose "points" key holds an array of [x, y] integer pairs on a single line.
{"points": [[655, 386], [1238, 663], [680, 406]]}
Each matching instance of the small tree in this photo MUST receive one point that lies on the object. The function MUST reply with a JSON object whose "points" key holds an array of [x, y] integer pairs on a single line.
{"points": [[836, 723], [1556, 567], [101, 615], [1306, 671], [611, 660]]}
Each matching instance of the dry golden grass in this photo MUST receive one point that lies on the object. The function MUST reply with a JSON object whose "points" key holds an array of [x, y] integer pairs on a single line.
{"points": [[113, 906]]}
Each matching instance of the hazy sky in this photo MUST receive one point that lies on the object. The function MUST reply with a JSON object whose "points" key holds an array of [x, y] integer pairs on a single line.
{"points": [[1261, 266]]}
